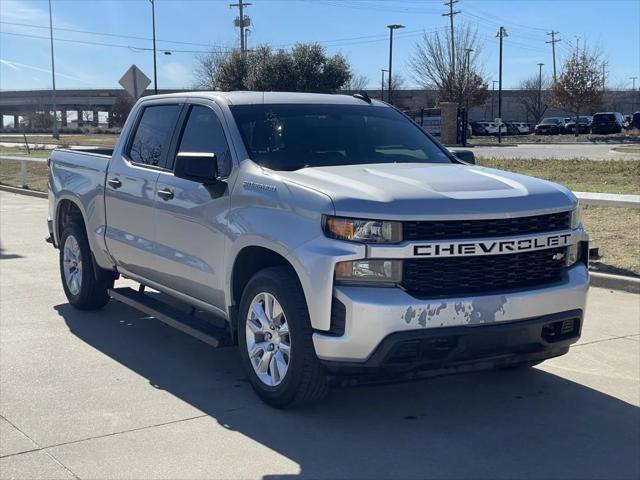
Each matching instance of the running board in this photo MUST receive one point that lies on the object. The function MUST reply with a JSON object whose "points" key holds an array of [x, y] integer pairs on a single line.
{"points": [[189, 324]]}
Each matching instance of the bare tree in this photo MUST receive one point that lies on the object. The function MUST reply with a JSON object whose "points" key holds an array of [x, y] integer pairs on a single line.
{"points": [[579, 86], [397, 82], [207, 69], [534, 96], [431, 65], [121, 108], [357, 83]]}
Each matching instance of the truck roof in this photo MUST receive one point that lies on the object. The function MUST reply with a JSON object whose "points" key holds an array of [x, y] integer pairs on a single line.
{"points": [[249, 98]]}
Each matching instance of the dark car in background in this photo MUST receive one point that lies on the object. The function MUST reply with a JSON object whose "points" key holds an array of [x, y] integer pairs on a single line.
{"points": [[550, 126], [584, 125], [512, 128], [608, 122], [635, 120]]}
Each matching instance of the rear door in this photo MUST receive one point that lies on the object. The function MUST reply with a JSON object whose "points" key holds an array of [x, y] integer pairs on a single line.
{"points": [[130, 193], [191, 218]]}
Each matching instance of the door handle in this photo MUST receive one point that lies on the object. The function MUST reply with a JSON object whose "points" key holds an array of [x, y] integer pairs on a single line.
{"points": [[165, 194], [114, 183]]}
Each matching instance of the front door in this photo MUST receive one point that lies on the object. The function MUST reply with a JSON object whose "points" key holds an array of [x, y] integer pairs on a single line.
{"points": [[130, 192], [191, 218]]}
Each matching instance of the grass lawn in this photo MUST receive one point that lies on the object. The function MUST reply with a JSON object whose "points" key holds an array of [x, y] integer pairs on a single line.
{"points": [[616, 232], [604, 176], [107, 140]]}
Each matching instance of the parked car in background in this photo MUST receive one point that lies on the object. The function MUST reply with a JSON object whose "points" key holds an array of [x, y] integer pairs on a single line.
{"points": [[489, 127], [584, 125], [512, 128], [608, 122], [635, 120], [478, 129], [523, 128], [550, 126]]}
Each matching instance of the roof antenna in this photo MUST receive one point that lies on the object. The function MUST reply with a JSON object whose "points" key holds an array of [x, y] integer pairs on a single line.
{"points": [[362, 95]]}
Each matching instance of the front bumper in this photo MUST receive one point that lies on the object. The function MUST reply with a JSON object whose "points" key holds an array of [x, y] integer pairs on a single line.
{"points": [[372, 314]]}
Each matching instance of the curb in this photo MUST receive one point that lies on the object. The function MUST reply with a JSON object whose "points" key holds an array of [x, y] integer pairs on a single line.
{"points": [[23, 191], [615, 282]]}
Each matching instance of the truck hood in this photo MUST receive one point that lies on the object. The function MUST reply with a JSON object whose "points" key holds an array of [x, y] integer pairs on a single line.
{"points": [[430, 191]]}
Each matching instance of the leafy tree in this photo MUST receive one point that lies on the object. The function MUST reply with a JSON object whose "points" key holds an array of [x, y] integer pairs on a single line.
{"points": [[431, 65], [527, 95], [306, 68], [579, 85]]}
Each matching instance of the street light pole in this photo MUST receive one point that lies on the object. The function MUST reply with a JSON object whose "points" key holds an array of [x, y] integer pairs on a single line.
{"points": [[155, 71], [501, 34], [382, 70], [56, 134], [391, 28], [539, 90]]}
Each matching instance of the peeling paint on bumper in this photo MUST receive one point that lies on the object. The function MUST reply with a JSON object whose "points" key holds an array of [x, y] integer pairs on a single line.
{"points": [[374, 313]]}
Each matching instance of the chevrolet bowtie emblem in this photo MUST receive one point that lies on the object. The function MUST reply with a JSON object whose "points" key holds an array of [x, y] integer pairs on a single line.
{"points": [[558, 256]]}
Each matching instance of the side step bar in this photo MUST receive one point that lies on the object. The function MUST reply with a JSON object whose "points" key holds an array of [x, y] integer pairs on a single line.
{"points": [[200, 329]]}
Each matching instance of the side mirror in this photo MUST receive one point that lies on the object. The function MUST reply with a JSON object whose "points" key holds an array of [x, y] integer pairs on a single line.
{"points": [[197, 166], [464, 155]]}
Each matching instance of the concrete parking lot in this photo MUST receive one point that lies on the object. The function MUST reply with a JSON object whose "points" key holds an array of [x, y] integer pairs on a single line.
{"points": [[114, 394], [560, 151]]}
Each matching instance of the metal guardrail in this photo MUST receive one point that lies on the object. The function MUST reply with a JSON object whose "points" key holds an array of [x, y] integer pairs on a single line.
{"points": [[586, 198]]}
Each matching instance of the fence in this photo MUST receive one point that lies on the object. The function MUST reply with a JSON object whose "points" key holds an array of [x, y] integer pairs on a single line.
{"points": [[586, 198]]}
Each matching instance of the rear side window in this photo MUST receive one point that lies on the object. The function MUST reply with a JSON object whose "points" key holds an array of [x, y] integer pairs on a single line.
{"points": [[203, 133], [153, 135]]}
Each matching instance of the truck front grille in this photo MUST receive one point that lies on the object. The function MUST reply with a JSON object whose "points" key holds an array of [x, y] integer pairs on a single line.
{"points": [[459, 276], [454, 229]]}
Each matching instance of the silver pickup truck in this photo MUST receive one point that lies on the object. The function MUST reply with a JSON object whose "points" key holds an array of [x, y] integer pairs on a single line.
{"points": [[326, 235]]}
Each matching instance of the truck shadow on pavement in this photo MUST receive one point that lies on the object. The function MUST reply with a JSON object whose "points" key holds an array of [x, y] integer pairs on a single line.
{"points": [[509, 424]]}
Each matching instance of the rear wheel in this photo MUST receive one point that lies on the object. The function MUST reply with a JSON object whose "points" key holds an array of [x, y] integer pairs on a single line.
{"points": [[274, 338], [84, 287]]}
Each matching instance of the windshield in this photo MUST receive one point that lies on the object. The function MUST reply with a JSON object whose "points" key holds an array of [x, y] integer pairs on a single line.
{"points": [[551, 121], [294, 136]]}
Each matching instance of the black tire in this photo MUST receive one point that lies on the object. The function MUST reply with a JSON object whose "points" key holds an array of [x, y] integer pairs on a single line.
{"points": [[94, 284], [305, 381]]}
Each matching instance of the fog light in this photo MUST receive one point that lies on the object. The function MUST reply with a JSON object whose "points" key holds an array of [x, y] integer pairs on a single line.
{"points": [[387, 272]]}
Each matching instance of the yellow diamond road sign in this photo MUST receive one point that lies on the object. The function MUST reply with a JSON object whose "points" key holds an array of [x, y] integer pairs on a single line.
{"points": [[135, 82]]}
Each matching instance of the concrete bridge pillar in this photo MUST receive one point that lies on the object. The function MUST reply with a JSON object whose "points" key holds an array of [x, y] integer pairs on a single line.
{"points": [[95, 119], [16, 121], [80, 122], [63, 118], [110, 119]]}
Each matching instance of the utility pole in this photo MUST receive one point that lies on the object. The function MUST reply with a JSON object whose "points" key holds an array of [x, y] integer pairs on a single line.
{"points": [[240, 22], [604, 73], [53, 79], [451, 14], [391, 28], [382, 70], [633, 79], [493, 97], [153, 23], [633, 95], [539, 90], [553, 42], [467, 74], [502, 32]]}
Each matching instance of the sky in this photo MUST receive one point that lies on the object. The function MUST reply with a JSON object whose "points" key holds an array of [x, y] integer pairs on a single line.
{"points": [[96, 41]]}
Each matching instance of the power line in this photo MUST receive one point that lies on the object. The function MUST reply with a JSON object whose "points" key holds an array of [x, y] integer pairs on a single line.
{"points": [[553, 42], [451, 14]]}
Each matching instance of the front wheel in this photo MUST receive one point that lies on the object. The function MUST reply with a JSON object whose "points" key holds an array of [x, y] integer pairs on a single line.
{"points": [[85, 288], [274, 338]]}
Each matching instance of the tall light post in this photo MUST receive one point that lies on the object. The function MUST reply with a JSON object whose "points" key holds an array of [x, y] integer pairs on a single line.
{"points": [[540, 65], [633, 94], [153, 23], [467, 75], [502, 32], [56, 134], [382, 71], [391, 28]]}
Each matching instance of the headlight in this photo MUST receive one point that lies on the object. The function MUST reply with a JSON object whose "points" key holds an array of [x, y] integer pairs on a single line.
{"points": [[573, 254], [366, 231], [369, 271], [576, 217]]}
